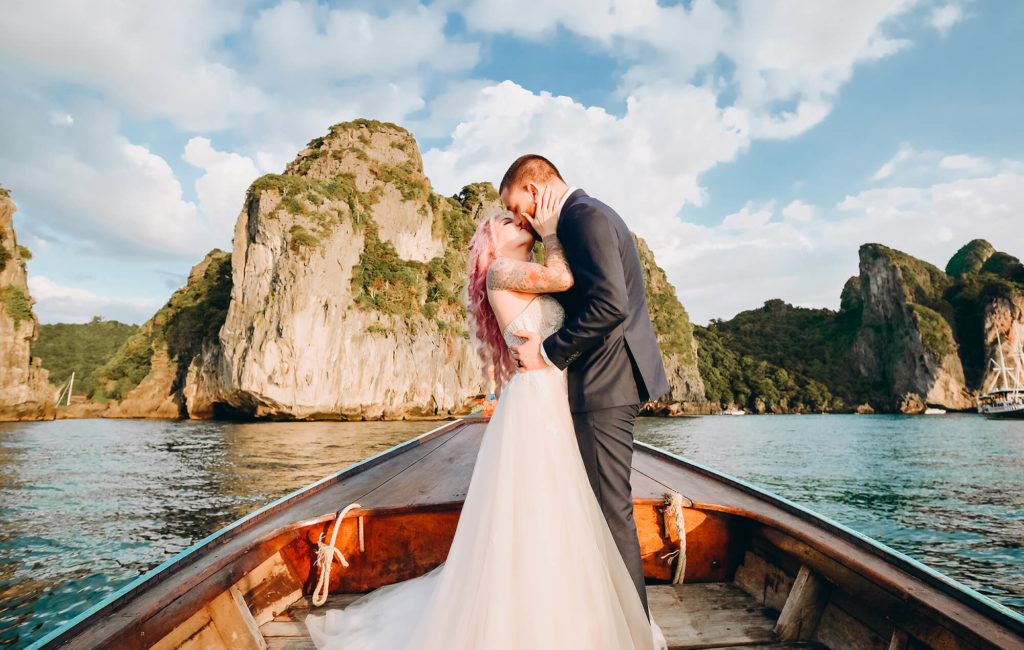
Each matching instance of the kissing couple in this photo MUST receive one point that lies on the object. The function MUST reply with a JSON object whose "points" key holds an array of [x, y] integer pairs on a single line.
{"points": [[546, 553]]}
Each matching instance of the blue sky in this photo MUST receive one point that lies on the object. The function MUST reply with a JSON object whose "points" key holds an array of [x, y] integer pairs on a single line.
{"points": [[754, 144]]}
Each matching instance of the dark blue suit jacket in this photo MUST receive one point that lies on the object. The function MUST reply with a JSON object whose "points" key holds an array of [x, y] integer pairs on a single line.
{"points": [[607, 342]]}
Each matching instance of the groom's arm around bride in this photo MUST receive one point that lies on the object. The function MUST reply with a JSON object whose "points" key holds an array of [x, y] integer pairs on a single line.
{"points": [[607, 344]]}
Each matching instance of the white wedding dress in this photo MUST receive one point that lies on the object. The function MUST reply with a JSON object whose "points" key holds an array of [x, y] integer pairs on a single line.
{"points": [[533, 564]]}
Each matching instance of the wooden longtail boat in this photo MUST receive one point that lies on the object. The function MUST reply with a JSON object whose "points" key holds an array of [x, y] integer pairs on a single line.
{"points": [[759, 570]]}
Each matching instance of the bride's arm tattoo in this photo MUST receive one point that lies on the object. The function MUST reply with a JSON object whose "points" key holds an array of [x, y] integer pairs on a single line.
{"points": [[529, 277]]}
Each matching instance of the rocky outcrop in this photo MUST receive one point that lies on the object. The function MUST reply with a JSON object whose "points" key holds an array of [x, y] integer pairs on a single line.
{"points": [[674, 331], [905, 347], [146, 377], [345, 302], [25, 392]]}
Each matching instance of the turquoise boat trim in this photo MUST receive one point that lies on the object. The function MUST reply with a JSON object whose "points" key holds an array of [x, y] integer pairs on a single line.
{"points": [[120, 593], [875, 545]]}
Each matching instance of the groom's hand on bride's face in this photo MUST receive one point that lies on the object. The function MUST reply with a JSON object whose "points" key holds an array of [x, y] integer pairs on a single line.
{"points": [[527, 355]]}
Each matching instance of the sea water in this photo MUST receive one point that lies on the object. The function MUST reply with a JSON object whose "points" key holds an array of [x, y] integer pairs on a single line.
{"points": [[86, 506]]}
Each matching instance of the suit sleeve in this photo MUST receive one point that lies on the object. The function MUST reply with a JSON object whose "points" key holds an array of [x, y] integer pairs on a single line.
{"points": [[592, 250]]}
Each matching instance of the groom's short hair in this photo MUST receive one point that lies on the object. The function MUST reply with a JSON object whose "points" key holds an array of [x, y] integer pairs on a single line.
{"points": [[530, 167]]}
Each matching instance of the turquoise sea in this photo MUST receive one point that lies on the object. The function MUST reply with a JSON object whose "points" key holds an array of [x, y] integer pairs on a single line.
{"points": [[86, 506]]}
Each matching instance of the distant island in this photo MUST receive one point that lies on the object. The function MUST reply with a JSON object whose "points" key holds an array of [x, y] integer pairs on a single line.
{"points": [[342, 300]]}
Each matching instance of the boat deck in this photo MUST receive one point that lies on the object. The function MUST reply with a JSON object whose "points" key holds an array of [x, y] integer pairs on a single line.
{"points": [[710, 615]]}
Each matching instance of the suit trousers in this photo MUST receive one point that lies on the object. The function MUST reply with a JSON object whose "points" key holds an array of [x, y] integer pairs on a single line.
{"points": [[605, 438]]}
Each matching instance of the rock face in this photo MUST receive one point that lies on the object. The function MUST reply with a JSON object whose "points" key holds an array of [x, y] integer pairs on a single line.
{"points": [[905, 347], [345, 303], [25, 392], [146, 377], [675, 338]]}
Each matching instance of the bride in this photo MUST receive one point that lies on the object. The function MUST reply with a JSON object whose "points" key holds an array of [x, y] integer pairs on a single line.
{"points": [[533, 564]]}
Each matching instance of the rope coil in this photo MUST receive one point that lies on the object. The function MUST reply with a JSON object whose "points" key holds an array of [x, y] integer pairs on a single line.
{"points": [[325, 554], [674, 508]]}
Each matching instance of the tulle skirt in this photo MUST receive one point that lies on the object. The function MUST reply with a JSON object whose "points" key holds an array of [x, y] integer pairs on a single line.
{"points": [[532, 565]]}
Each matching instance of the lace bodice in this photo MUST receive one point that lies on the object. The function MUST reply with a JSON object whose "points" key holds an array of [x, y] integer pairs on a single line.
{"points": [[543, 315]]}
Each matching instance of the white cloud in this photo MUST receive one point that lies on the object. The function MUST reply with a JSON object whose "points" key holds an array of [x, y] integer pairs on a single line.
{"points": [[94, 188], [943, 18], [748, 217], [806, 259], [646, 162], [339, 44], [908, 166], [56, 303], [221, 189], [158, 60], [789, 57], [961, 161], [798, 211]]}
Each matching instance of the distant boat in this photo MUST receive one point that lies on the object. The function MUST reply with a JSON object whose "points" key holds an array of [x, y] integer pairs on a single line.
{"points": [[1005, 395], [934, 411], [731, 412], [727, 564]]}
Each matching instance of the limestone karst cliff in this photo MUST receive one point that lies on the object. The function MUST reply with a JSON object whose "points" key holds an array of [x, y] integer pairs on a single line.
{"points": [[342, 299], [988, 300], [905, 347], [908, 335], [25, 392], [345, 303], [675, 338], [146, 377]]}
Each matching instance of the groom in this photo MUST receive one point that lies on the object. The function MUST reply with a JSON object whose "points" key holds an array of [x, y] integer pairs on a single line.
{"points": [[607, 343]]}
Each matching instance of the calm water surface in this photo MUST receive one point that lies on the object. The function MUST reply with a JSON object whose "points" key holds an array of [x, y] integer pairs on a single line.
{"points": [[86, 506]]}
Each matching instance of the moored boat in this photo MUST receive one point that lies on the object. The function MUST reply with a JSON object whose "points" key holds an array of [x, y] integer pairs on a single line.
{"points": [[1005, 395], [752, 568]]}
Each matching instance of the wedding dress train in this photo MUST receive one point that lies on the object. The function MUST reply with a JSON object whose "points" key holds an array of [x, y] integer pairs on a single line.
{"points": [[532, 564]]}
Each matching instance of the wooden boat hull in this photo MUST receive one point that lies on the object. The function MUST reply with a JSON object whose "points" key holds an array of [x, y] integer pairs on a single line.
{"points": [[822, 582]]}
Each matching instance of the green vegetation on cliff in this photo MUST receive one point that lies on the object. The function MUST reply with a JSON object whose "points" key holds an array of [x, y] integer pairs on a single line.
{"points": [[671, 323], [4, 192], [193, 315], [17, 304], [970, 258], [741, 379], [946, 309], [385, 282], [81, 348]]}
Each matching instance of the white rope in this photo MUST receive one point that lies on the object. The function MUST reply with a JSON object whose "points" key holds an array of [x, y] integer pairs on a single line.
{"points": [[325, 554], [674, 508]]}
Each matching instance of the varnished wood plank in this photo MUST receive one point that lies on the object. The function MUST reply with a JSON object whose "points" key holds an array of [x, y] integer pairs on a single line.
{"points": [[804, 606], [765, 581], [299, 614], [840, 631], [233, 628], [187, 629], [250, 622], [290, 643], [708, 615], [284, 628], [206, 638], [899, 640], [269, 588]]}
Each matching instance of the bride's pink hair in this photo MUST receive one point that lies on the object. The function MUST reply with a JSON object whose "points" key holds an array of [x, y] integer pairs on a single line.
{"points": [[493, 351]]}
